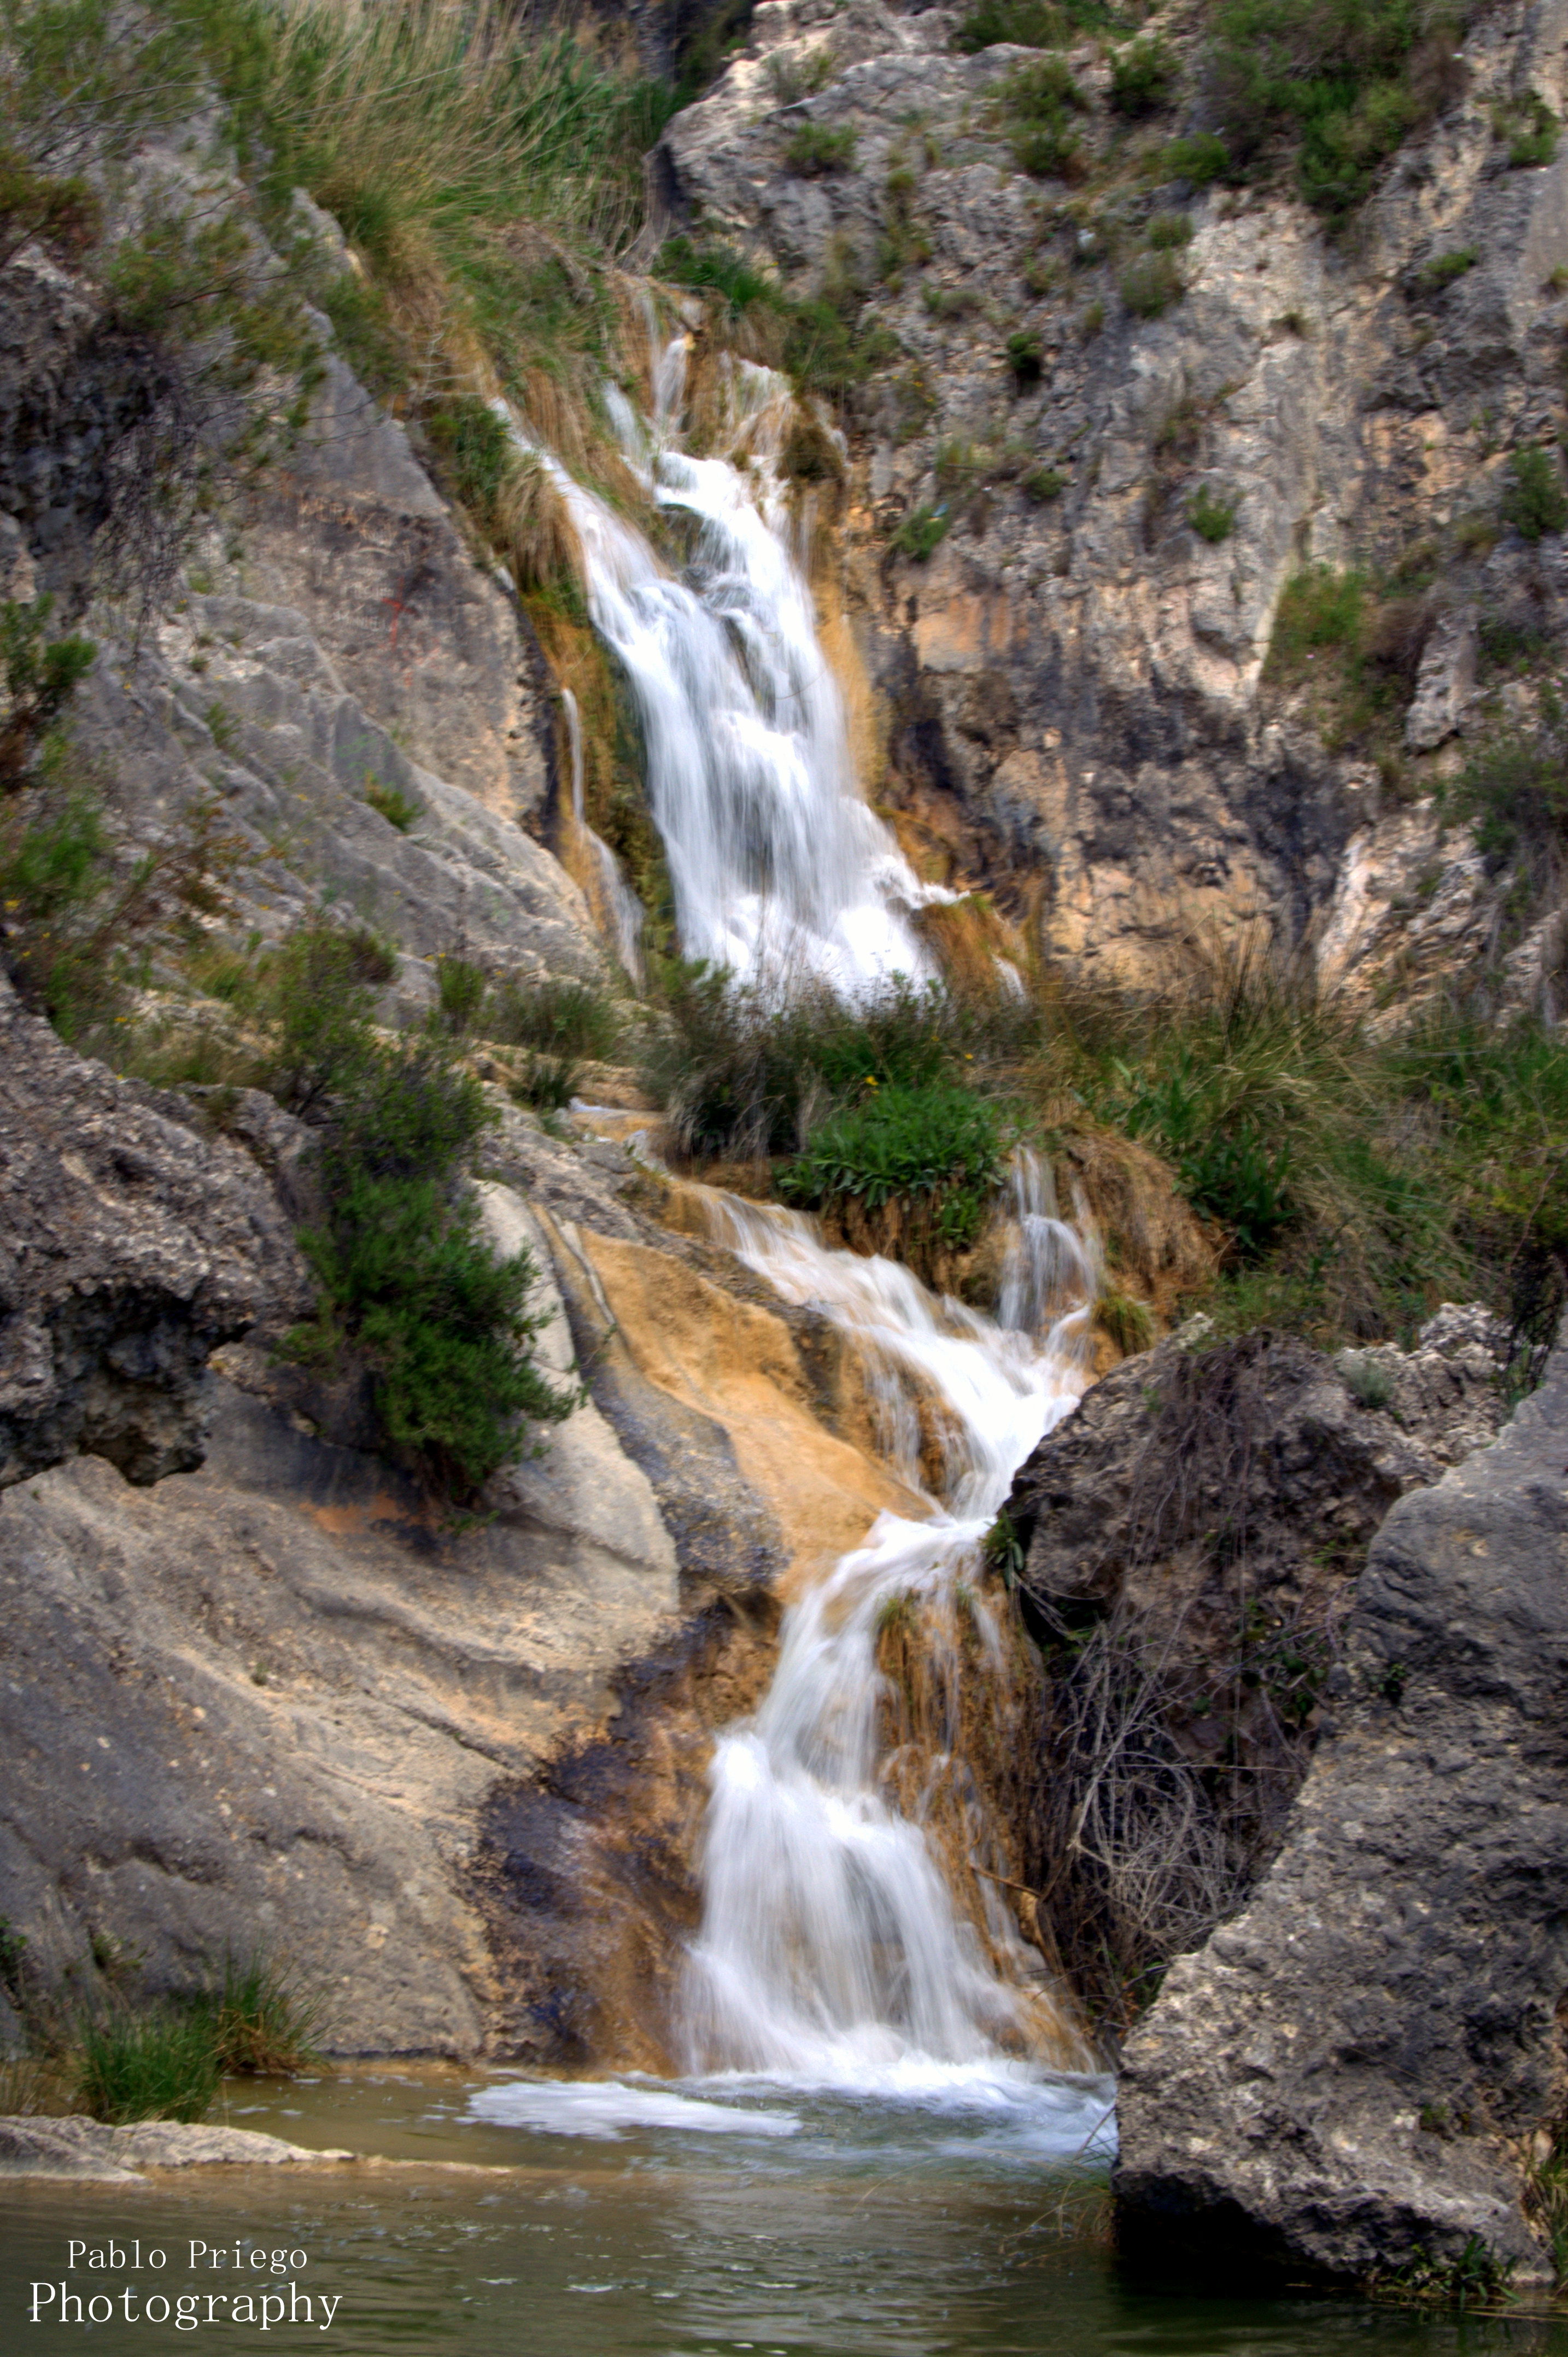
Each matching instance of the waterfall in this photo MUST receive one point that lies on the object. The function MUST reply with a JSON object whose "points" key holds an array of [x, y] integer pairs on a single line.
{"points": [[830, 1949], [852, 1935], [779, 869]]}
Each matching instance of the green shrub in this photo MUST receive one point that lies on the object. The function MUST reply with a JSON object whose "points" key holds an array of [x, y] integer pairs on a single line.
{"points": [[1037, 104], [475, 454], [817, 148], [1091, 324], [1034, 24], [398, 808], [1535, 502], [1044, 484], [40, 675], [1212, 518], [1516, 792], [718, 270], [935, 1151], [1142, 78], [1444, 268], [462, 989], [921, 532], [159, 2065], [1531, 129], [407, 1281], [575, 1019], [548, 1083], [1346, 80], [1318, 609], [321, 1007], [1025, 356], [1151, 284], [1200, 161], [1168, 231], [1367, 1380]]}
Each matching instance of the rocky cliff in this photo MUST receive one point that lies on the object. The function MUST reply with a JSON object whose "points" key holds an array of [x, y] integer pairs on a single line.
{"points": [[1071, 698]]}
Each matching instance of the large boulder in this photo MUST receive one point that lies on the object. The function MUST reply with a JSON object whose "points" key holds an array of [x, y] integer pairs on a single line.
{"points": [[131, 1247], [1350, 2076]]}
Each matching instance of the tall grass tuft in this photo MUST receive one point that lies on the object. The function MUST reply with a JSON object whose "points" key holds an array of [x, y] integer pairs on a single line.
{"points": [[159, 2065], [261, 2021]]}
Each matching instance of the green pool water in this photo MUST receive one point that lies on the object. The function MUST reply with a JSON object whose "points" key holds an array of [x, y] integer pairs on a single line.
{"points": [[836, 2226]]}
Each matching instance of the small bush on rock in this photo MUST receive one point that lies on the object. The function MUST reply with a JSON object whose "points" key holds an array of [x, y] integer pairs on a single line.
{"points": [[817, 148], [1151, 284], [408, 1282], [1142, 78], [931, 1156], [1535, 502]]}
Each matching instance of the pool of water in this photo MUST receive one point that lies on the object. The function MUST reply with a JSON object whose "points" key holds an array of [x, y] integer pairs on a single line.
{"points": [[503, 2217]]}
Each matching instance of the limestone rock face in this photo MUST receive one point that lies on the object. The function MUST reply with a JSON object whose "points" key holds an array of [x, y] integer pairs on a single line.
{"points": [[1350, 2071], [129, 1247], [1068, 696]]}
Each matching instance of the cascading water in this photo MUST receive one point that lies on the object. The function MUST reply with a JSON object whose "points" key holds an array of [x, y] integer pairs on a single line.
{"points": [[830, 1949], [840, 1947], [779, 868]]}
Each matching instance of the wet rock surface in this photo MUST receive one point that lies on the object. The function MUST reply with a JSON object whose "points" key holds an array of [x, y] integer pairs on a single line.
{"points": [[119, 2155], [1348, 2075]]}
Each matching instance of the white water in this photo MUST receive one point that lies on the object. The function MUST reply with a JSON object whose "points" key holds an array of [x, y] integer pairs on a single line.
{"points": [[779, 868], [831, 1951]]}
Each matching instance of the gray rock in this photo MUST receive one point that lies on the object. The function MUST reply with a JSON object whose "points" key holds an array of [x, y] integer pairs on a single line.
{"points": [[117, 2156], [131, 1246], [1350, 2073], [1445, 684]]}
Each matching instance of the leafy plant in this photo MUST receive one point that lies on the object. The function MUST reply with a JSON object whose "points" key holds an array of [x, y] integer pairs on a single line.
{"points": [[1168, 231], [819, 148], [1142, 78], [1025, 356], [398, 808], [40, 675], [1368, 1383], [1201, 160], [1444, 268], [569, 1019], [1044, 484], [1529, 127], [261, 2020], [462, 989], [1347, 84], [921, 532], [936, 1143], [1151, 284], [1535, 501], [410, 1285], [1212, 518], [1036, 104]]}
